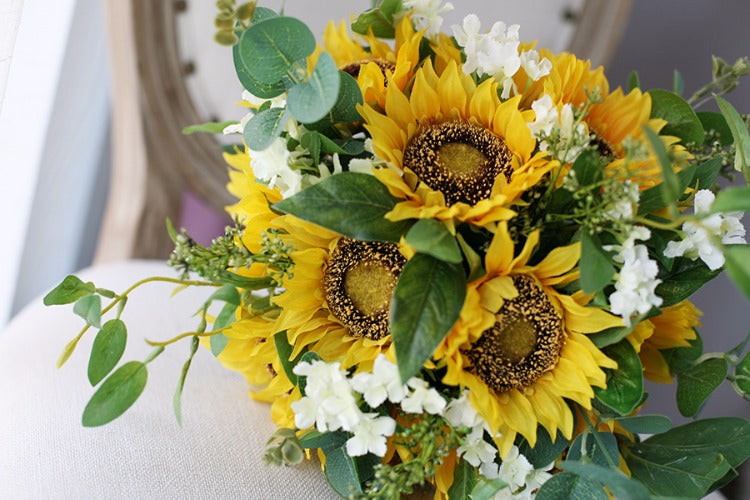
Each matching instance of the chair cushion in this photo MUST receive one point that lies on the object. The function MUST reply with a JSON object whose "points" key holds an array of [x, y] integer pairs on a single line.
{"points": [[217, 453]]}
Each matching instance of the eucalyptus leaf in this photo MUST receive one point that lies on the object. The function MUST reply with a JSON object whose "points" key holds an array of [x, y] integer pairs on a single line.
{"points": [[226, 317], [572, 487], [90, 309], [739, 133], [464, 481], [742, 374], [696, 384], [177, 398], [218, 343], [485, 489], [250, 83], [264, 128], [620, 485], [345, 109], [595, 264], [348, 203], [426, 303], [379, 19], [116, 394], [431, 237], [311, 100], [324, 440], [70, 290], [544, 451], [268, 49], [109, 345], [645, 424], [599, 447], [624, 390], [682, 120], [341, 472], [738, 266]]}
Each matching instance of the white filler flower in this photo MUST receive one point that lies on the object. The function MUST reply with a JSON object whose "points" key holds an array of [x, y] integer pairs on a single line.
{"points": [[426, 14], [423, 398], [698, 239], [383, 383], [329, 402], [369, 435]]}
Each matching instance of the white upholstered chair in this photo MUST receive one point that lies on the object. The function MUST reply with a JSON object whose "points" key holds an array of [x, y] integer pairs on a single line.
{"points": [[160, 74]]}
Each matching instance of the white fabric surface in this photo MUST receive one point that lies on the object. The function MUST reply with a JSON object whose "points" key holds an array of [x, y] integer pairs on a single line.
{"points": [[46, 453]]}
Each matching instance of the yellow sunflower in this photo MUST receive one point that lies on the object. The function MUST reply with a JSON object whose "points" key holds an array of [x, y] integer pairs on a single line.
{"points": [[674, 327], [520, 346], [458, 152]]}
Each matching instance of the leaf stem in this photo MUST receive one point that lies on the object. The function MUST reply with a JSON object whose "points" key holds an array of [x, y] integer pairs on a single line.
{"points": [[165, 343]]}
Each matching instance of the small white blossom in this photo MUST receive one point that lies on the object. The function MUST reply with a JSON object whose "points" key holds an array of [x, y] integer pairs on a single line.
{"points": [[475, 449], [636, 281], [276, 102], [573, 138], [533, 66], [422, 398], [697, 242], [329, 401], [369, 435], [515, 469], [271, 166], [383, 383], [426, 14], [625, 197], [460, 413]]}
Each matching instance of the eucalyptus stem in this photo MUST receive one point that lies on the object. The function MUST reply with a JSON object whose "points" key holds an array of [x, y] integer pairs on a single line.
{"points": [[181, 336]]}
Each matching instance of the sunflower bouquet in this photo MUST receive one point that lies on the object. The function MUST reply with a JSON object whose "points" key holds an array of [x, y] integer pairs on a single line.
{"points": [[454, 260]]}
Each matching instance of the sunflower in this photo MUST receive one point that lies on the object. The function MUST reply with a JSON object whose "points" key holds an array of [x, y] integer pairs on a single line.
{"points": [[520, 346], [458, 152], [674, 327]]}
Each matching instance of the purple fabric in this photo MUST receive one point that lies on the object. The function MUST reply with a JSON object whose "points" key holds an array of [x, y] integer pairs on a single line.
{"points": [[202, 222]]}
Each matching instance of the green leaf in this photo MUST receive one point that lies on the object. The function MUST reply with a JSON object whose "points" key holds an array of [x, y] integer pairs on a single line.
{"points": [[617, 333], [738, 266], [620, 485], [473, 259], [426, 303], [264, 128], [739, 134], [682, 120], [670, 185], [310, 101], [90, 309], [255, 87], [625, 384], [652, 199], [118, 392], [70, 290], [717, 123], [685, 278], [177, 398], [246, 282], [210, 127], [324, 440], [678, 84], [600, 448], [218, 342], [341, 472], [680, 359], [317, 143], [345, 109], [348, 203], [572, 487], [646, 424], [107, 350], [696, 384], [732, 199], [464, 481], [307, 357], [379, 19], [284, 350], [544, 451], [485, 488], [269, 48], [706, 173], [588, 168], [742, 374], [595, 264], [68, 351], [106, 293], [431, 237], [634, 81]]}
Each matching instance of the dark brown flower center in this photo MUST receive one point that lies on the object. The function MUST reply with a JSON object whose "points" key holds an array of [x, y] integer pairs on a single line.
{"points": [[359, 282], [524, 343], [354, 68], [458, 159]]}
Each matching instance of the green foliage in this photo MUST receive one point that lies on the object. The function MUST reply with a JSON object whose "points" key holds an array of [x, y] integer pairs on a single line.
{"points": [[324, 440], [485, 489], [283, 448], [670, 185], [90, 309], [732, 199], [588, 168], [210, 127], [118, 392], [427, 301], [682, 120], [653, 199], [345, 109], [680, 359], [599, 447], [683, 280], [379, 19], [253, 85], [739, 133], [697, 383], [311, 100], [738, 266], [689, 460], [349, 203], [341, 472], [544, 451], [706, 173], [742, 374], [634, 81], [624, 391], [464, 481], [718, 124], [645, 424], [70, 290], [284, 350], [620, 485], [264, 128], [678, 83], [431, 237], [595, 264], [572, 487], [177, 398], [107, 350]]}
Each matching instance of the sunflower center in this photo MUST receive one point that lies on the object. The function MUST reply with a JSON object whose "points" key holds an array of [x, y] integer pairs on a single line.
{"points": [[523, 344], [461, 159], [458, 159], [359, 281], [354, 68], [370, 286]]}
